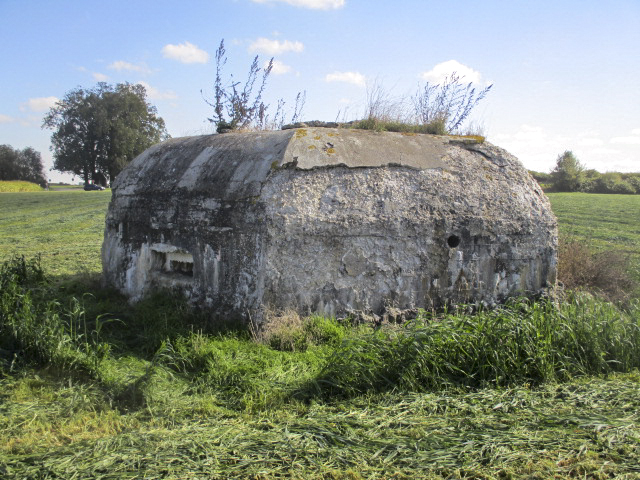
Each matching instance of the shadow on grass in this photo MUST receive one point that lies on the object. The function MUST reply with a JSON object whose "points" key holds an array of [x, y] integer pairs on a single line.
{"points": [[139, 328], [71, 328]]}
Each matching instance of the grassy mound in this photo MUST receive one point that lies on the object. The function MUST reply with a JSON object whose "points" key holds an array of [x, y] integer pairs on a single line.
{"points": [[19, 186]]}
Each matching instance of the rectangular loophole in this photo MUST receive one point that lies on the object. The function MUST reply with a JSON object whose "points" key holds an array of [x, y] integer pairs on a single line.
{"points": [[179, 262], [184, 268], [173, 262]]}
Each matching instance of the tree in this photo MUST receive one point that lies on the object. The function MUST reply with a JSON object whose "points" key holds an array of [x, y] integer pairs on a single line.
{"points": [[568, 174], [97, 132], [23, 164]]}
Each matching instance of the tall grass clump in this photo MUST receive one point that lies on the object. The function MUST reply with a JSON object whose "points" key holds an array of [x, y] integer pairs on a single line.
{"points": [[522, 342], [437, 109], [33, 328]]}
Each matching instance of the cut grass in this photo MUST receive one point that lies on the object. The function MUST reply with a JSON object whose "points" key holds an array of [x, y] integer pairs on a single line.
{"points": [[582, 429]]}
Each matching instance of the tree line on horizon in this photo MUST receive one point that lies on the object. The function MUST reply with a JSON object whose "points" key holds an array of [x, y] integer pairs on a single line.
{"points": [[25, 164], [570, 175]]}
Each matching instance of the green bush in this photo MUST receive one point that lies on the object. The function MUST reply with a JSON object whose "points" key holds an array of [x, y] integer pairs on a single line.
{"points": [[634, 181], [592, 181], [612, 182]]}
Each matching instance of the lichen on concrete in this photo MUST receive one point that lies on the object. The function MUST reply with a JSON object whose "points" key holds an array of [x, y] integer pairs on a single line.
{"points": [[240, 222]]}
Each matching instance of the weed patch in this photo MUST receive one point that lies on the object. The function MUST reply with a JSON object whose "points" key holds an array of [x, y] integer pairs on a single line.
{"points": [[604, 273], [289, 331]]}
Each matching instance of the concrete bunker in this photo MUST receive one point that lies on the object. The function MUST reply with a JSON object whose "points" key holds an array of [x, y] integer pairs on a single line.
{"points": [[330, 221]]}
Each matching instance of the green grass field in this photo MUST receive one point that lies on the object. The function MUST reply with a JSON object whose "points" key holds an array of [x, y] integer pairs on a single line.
{"points": [[65, 228], [604, 221], [92, 388]]}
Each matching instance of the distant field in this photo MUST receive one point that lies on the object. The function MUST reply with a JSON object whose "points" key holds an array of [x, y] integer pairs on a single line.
{"points": [[62, 186], [605, 221], [66, 228]]}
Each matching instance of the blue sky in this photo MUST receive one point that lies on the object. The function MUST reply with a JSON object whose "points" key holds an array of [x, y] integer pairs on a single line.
{"points": [[565, 72]]}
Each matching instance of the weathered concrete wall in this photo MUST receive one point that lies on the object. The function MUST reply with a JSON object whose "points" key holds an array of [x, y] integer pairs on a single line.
{"points": [[328, 220]]}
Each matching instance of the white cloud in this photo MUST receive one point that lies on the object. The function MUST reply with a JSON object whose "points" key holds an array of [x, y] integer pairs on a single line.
{"points": [[185, 52], [157, 94], [121, 65], [100, 77], [313, 4], [354, 78], [275, 47], [526, 134], [633, 139], [40, 104], [605, 151], [589, 142], [442, 70], [6, 119], [279, 68], [535, 148], [588, 138]]}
